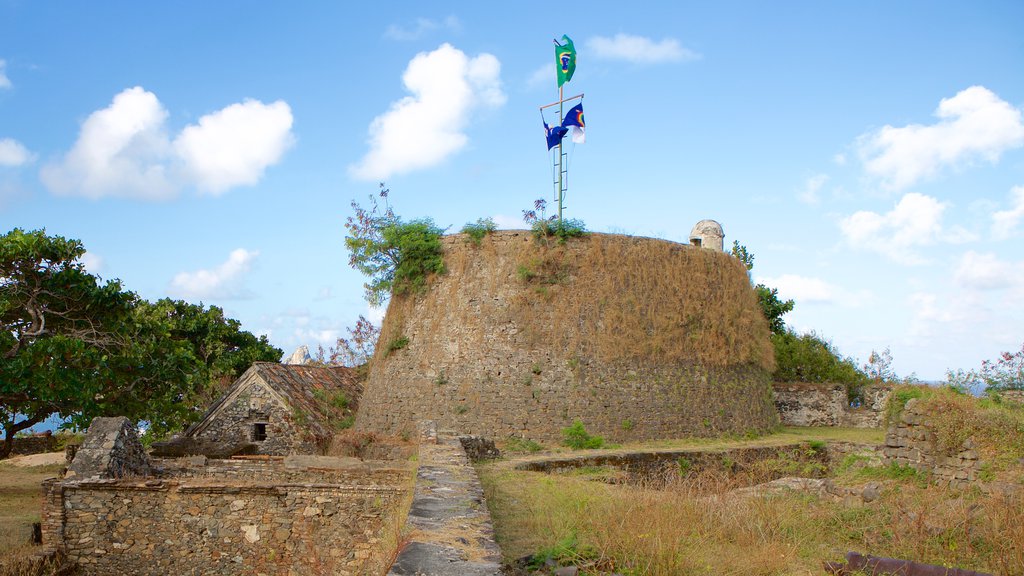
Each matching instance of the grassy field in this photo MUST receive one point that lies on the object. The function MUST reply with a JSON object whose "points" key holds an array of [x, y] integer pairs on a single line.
{"points": [[695, 526], [20, 504]]}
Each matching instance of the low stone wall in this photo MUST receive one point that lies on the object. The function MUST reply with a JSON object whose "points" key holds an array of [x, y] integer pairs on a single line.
{"points": [[911, 442], [346, 471], [812, 404], [25, 445], [209, 525], [1015, 396], [450, 527]]}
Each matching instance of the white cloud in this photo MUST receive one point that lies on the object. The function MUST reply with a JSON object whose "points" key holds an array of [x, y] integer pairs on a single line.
{"points": [[375, 314], [640, 50], [1005, 221], [421, 27], [223, 282], [424, 129], [125, 150], [93, 262], [543, 75], [916, 220], [802, 288], [5, 82], [508, 222], [987, 272], [809, 195], [973, 125], [14, 153], [232, 147]]}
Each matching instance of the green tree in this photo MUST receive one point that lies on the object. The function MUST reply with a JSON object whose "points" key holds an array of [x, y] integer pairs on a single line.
{"points": [[76, 347], [221, 349], [772, 306], [396, 255]]}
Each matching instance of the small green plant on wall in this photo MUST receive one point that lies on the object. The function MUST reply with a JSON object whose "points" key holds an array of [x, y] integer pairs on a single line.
{"points": [[477, 230], [577, 437]]}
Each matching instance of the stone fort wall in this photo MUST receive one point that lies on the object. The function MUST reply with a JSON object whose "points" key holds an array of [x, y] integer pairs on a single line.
{"points": [[637, 338], [283, 521], [813, 404]]}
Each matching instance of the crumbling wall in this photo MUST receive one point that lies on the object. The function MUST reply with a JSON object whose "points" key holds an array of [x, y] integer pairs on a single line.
{"points": [[223, 526], [911, 442], [111, 449], [35, 444], [812, 404]]}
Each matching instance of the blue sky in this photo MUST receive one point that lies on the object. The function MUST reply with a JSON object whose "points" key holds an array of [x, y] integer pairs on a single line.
{"points": [[870, 154]]}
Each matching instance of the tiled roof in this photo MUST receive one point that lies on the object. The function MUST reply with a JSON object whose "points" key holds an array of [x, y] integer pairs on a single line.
{"points": [[299, 383]]}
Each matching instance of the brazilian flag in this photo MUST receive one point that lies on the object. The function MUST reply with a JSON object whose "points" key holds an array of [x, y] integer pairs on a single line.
{"points": [[565, 60]]}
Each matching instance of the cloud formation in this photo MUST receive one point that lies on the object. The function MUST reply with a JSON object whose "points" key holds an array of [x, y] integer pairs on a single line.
{"points": [[803, 289], [4, 81], [125, 149], [1004, 222], [232, 147], [224, 282], [421, 27], [424, 129], [812, 188], [988, 272], [975, 125], [916, 220], [640, 50], [14, 153]]}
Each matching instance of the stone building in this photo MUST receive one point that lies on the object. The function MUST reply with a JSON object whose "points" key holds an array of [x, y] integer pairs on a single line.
{"points": [[279, 409], [708, 234]]}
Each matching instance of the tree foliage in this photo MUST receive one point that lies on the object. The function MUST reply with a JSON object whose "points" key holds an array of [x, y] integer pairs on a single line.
{"points": [[772, 306], [1004, 373], [396, 255], [354, 351], [74, 346], [812, 358]]}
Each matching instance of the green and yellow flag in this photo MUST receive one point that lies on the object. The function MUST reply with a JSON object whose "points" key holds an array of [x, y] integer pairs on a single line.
{"points": [[565, 60]]}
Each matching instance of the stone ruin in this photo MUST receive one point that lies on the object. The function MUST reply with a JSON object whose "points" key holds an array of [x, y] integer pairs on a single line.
{"points": [[111, 450], [708, 234]]}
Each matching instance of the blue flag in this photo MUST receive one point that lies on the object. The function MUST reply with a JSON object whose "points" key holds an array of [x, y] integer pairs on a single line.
{"points": [[574, 119], [554, 134]]}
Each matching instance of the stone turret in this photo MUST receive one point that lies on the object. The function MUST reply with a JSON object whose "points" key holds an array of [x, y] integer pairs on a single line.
{"points": [[707, 234]]}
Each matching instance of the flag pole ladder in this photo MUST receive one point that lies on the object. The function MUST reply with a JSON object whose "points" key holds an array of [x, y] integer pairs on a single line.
{"points": [[560, 171]]}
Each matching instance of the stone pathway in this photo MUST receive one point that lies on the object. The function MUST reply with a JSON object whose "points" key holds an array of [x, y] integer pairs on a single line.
{"points": [[451, 531]]}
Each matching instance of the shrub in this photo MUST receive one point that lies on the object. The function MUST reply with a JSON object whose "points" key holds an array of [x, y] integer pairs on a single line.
{"points": [[397, 344], [577, 438], [517, 444], [477, 230], [396, 255], [811, 358]]}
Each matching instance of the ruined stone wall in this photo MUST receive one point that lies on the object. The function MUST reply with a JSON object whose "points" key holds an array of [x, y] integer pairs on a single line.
{"points": [[1015, 396], [812, 404], [233, 424], [910, 442], [211, 526], [637, 338], [25, 445]]}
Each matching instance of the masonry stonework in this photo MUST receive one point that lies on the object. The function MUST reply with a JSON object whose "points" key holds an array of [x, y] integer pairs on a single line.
{"points": [[298, 521], [257, 406], [911, 442], [812, 404], [517, 339]]}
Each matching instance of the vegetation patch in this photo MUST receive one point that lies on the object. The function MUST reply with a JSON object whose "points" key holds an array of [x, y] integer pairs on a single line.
{"points": [[577, 438], [476, 231]]}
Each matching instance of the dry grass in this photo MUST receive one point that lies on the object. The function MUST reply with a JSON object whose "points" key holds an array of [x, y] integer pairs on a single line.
{"points": [[683, 530], [20, 505], [609, 296]]}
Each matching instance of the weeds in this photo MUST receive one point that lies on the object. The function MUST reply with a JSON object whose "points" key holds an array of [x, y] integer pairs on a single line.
{"points": [[577, 438], [516, 444], [475, 231]]}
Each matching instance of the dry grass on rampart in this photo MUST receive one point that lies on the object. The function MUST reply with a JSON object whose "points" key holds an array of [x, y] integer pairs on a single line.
{"points": [[683, 530], [608, 296]]}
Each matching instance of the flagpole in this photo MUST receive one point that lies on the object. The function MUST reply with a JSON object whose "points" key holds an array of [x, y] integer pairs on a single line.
{"points": [[561, 119]]}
